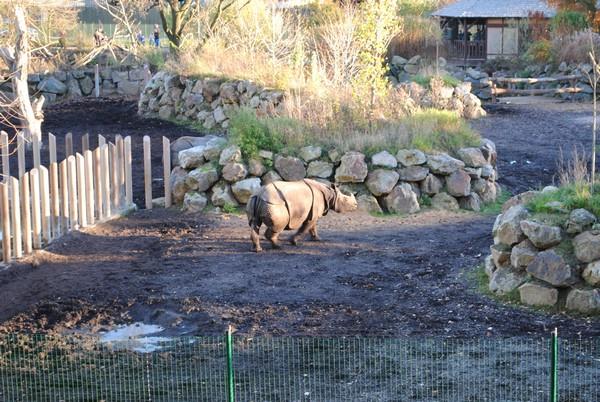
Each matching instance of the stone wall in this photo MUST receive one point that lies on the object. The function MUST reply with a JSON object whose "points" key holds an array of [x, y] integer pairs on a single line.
{"points": [[63, 85], [553, 264], [207, 101], [208, 171]]}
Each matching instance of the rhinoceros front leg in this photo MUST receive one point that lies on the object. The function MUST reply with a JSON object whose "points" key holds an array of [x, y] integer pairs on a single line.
{"points": [[273, 237], [254, 236], [300, 233], [313, 232]]}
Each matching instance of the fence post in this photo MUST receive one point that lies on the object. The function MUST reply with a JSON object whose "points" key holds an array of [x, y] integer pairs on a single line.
{"points": [[120, 169], [16, 218], [147, 172], [81, 190], [51, 147], [68, 145], [85, 143], [97, 81], [36, 219], [54, 200], [229, 353], [128, 180], [26, 213], [89, 185], [21, 154], [5, 215], [45, 198], [73, 212], [36, 151], [105, 182], [98, 181], [167, 170], [5, 154], [554, 366], [114, 177], [64, 196]]}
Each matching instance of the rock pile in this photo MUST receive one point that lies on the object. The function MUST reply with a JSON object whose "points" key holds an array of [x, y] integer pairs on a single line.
{"points": [[209, 170], [207, 101], [549, 264], [62, 85]]}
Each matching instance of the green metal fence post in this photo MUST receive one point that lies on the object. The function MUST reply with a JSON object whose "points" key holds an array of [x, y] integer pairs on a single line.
{"points": [[229, 351], [554, 366]]}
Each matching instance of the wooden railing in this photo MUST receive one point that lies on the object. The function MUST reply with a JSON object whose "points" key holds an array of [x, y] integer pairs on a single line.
{"points": [[511, 84], [473, 50]]}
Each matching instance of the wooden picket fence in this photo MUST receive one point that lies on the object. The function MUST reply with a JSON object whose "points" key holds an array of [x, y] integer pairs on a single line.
{"points": [[47, 202]]}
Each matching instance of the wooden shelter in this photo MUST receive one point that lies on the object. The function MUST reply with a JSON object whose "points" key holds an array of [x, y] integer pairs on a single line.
{"points": [[476, 30]]}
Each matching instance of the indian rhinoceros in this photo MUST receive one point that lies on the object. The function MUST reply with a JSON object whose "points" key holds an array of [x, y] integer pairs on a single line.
{"points": [[293, 205]]}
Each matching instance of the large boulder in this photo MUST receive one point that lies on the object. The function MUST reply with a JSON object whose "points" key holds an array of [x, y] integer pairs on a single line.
{"points": [[411, 157], [256, 167], [552, 268], [384, 159], [209, 144], [270, 177], [222, 195], [431, 185], [472, 202], [402, 200], [542, 236], [538, 294], [507, 228], [368, 203], [194, 202], [520, 199], [444, 201], [202, 178], [52, 85], [310, 153], [192, 157], [485, 189], [234, 171], [87, 85], [580, 220], [232, 153], [320, 169], [472, 157], [458, 184], [586, 301], [381, 181], [444, 164], [244, 189], [523, 254], [591, 273], [290, 168], [505, 279], [352, 169], [489, 266], [413, 173], [587, 246], [500, 254]]}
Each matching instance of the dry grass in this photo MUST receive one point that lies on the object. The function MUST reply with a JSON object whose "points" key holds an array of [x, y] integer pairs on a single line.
{"points": [[575, 170]]}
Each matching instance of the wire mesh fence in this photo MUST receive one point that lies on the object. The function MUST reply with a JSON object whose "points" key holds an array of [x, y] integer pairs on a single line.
{"points": [[34, 368]]}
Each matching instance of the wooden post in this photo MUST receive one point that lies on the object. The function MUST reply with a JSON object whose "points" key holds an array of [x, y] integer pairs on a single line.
{"points": [[51, 147], [89, 185], [98, 182], [68, 145], [36, 152], [97, 81], [26, 214], [36, 219], [5, 160], [121, 167], [85, 143], [64, 196], [54, 200], [45, 199], [167, 170], [5, 216], [16, 218], [81, 190], [101, 141], [21, 154], [106, 182], [147, 172], [73, 212], [114, 175], [128, 180]]}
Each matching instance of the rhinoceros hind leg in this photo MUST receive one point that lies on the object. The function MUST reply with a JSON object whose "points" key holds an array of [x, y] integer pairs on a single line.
{"points": [[313, 233], [273, 238], [255, 239], [300, 233]]}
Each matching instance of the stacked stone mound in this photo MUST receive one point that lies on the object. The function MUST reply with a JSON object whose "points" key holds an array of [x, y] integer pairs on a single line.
{"points": [[63, 85], [550, 265], [207, 101], [208, 170]]}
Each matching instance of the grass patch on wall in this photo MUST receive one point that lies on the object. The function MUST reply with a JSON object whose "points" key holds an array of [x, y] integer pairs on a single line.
{"points": [[572, 196]]}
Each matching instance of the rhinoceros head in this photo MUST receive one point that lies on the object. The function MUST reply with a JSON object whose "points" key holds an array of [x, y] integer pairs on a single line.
{"points": [[344, 203]]}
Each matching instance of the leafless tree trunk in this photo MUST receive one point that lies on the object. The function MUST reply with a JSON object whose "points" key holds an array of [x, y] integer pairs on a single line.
{"points": [[17, 58], [593, 78]]}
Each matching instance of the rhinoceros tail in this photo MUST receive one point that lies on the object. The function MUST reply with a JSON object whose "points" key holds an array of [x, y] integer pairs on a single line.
{"points": [[252, 212]]}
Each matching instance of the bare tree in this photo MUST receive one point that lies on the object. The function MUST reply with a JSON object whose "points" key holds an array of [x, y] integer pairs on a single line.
{"points": [[123, 12], [19, 106], [593, 79]]}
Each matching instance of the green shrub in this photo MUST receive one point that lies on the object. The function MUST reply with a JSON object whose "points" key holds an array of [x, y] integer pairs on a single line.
{"points": [[540, 52], [567, 22], [155, 58], [252, 134]]}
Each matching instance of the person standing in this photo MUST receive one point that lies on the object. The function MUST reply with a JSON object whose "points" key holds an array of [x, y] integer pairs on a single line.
{"points": [[156, 36]]}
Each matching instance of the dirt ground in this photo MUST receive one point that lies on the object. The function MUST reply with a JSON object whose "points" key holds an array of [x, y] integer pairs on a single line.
{"points": [[193, 273]]}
